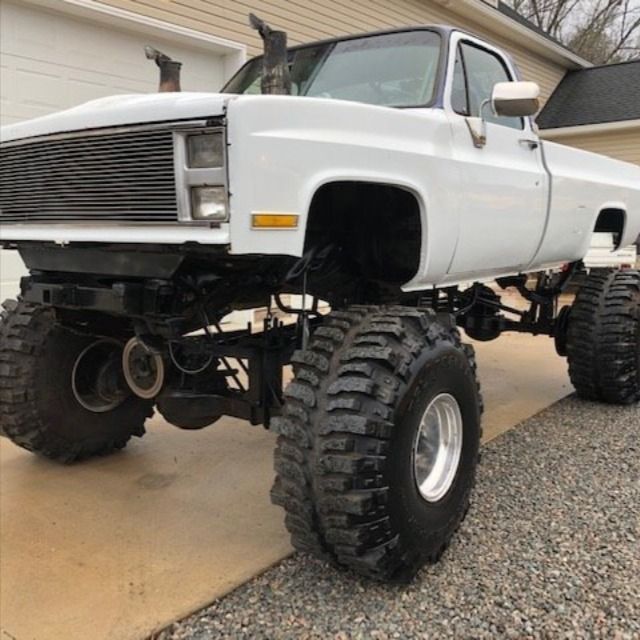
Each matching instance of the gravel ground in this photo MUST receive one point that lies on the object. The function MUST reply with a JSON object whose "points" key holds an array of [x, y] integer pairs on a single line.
{"points": [[550, 549]]}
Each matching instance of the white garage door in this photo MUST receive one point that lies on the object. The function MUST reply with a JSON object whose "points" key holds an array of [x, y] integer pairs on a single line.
{"points": [[51, 60]]}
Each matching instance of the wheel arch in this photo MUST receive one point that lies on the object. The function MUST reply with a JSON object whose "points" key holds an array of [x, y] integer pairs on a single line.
{"points": [[612, 218], [340, 204]]}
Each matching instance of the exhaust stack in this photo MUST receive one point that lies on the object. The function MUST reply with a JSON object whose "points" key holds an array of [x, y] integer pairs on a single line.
{"points": [[275, 68], [169, 69]]}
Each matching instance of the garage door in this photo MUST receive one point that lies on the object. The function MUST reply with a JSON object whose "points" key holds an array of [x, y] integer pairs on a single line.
{"points": [[51, 60]]}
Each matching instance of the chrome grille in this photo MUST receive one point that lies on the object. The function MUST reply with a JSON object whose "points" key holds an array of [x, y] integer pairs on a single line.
{"points": [[125, 176]]}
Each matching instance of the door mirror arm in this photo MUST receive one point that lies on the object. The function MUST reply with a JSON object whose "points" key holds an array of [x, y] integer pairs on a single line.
{"points": [[478, 126]]}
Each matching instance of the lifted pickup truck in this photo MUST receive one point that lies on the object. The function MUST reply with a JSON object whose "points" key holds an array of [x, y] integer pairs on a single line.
{"points": [[378, 174]]}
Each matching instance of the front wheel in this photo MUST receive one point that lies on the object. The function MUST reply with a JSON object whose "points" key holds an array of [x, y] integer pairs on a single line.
{"points": [[63, 395], [379, 440]]}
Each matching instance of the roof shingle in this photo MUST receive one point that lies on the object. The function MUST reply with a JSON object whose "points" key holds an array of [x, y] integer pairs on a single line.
{"points": [[595, 95]]}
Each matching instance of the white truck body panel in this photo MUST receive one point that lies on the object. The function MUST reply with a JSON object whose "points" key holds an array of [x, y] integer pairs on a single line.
{"points": [[286, 165], [120, 111], [515, 205], [583, 184], [496, 179]]}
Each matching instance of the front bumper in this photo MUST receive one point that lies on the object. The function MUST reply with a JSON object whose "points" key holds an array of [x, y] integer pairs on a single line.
{"points": [[121, 233]]}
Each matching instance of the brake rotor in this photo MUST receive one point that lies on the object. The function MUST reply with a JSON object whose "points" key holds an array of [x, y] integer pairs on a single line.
{"points": [[144, 369]]}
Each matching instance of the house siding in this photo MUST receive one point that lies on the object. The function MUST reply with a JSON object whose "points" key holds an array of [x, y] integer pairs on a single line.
{"points": [[622, 145], [306, 21]]}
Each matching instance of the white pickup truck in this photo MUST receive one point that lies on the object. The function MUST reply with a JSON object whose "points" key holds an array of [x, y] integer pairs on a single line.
{"points": [[377, 173]]}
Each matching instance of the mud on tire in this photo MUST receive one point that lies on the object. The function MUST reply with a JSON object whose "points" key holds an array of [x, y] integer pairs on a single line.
{"points": [[38, 409], [344, 458], [603, 338]]}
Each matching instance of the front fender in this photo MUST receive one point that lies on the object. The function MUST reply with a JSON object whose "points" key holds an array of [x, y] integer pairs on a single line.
{"points": [[283, 149]]}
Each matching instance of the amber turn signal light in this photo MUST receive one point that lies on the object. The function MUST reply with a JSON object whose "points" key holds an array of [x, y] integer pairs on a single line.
{"points": [[274, 221]]}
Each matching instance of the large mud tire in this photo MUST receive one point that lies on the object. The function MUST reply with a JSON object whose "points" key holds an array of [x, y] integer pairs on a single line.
{"points": [[38, 409], [344, 459], [603, 338]]}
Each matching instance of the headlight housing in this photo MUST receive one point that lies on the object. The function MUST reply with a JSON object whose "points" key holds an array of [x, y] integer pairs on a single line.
{"points": [[205, 151], [199, 162], [209, 203]]}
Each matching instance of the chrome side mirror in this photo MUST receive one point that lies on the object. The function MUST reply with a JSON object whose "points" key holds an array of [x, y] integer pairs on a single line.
{"points": [[508, 99], [515, 99]]}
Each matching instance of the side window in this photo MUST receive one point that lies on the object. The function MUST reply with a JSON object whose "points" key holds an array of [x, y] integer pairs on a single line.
{"points": [[483, 70], [459, 93]]}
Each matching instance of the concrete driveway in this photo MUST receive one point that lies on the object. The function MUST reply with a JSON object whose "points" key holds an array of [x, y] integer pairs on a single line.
{"points": [[119, 547]]}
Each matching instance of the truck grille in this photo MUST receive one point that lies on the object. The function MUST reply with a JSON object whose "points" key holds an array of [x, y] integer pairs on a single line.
{"points": [[125, 176]]}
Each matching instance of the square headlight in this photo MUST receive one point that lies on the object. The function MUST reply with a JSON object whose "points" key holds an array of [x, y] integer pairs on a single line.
{"points": [[209, 203], [205, 151]]}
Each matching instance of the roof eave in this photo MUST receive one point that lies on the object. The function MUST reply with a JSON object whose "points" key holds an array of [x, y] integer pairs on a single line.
{"points": [[590, 129], [491, 18]]}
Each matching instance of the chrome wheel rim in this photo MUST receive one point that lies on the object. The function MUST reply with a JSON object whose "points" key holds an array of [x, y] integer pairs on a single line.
{"points": [[438, 447], [96, 378]]}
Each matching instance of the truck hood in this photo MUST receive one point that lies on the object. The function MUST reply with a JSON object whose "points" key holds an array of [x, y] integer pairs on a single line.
{"points": [[116, 111]]}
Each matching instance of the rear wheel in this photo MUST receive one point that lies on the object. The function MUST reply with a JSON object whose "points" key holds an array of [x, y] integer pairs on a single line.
{"points": [[379, 441], [603, 338], [63, 395]]}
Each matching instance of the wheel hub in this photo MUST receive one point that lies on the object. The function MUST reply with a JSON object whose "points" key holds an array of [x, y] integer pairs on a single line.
{"points": [[438, 447], [143, 369], [96, 378]]}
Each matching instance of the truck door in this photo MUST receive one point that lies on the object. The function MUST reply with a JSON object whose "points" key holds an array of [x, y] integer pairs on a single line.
{"points": [[503, 184]]}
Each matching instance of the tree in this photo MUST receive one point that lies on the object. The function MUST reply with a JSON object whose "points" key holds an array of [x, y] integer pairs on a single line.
{"points": [[602, 31]]}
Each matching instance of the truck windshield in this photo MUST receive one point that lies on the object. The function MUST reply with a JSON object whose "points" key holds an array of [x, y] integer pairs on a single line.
{"points": [[394, 70]]}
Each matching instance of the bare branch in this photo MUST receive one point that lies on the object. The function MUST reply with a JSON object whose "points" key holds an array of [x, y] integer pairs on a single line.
{"points": [[602, 31]]}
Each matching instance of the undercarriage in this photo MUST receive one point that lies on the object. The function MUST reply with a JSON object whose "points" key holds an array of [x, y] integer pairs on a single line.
{"points": [[166, 309]]}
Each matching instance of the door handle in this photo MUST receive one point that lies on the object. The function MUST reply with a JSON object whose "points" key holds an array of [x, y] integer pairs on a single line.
{"points": [[530, 142]]}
